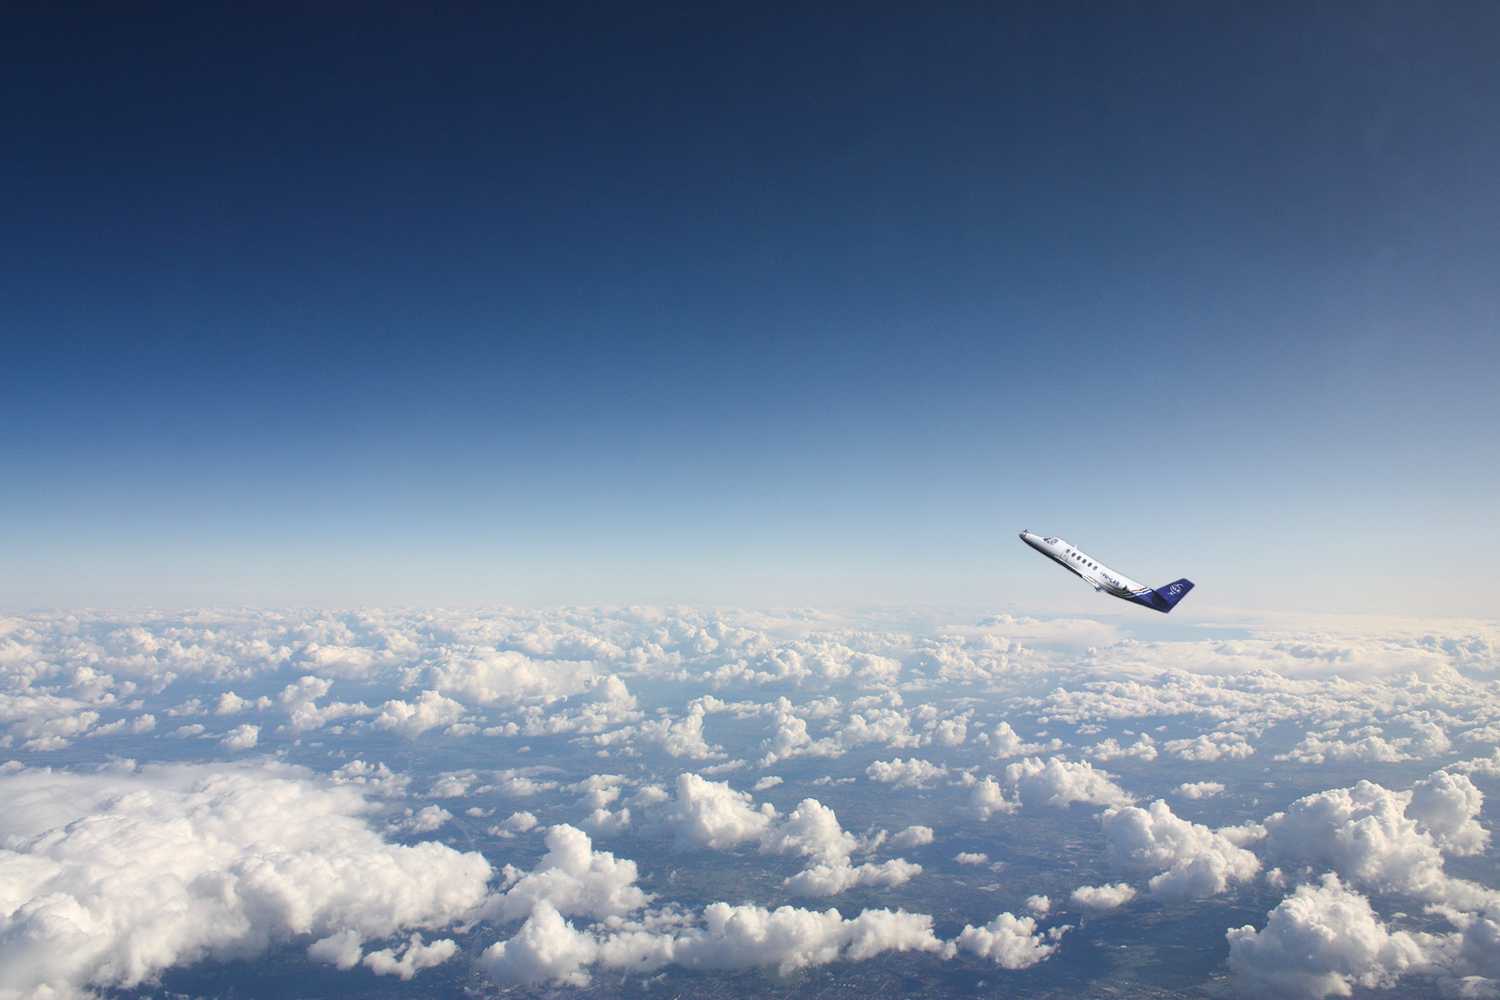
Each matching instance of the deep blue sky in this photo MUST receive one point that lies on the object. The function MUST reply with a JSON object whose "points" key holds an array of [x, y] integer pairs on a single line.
{"points": [[750, 305]]}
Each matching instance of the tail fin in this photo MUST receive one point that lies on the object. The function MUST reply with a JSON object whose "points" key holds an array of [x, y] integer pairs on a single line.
{"points": [[1165, 598]]}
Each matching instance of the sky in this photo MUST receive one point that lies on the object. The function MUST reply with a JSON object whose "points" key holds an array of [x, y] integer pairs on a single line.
{"points": [[755, 306]]}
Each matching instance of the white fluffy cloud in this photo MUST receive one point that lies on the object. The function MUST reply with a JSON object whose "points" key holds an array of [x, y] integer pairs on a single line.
{"points": [[300, 702], [1447, 806], [375, 778], [489, 676], [1103, 897], [413, 718], [1375, 838], [1144, 748], [812, 830], [1011, 942], [682, 737], [173, 864], [713, 815], [1371, 748], [548, 949], [1006, 742], [1061, 783], [913, 773], [1199, 789], [913, 836], [516, 822], [424, 820], [1321, 941], [1210, 747], [987, 798], [630, 686], [832, 879], [574, 879], [412, 958], [1192, 861], [241, 737]]}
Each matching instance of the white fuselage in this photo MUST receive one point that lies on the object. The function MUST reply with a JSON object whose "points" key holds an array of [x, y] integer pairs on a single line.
{"points": [[1094, 573]]}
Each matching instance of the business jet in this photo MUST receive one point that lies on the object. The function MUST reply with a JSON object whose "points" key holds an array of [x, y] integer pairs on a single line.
{"points": [[1104, 579]]}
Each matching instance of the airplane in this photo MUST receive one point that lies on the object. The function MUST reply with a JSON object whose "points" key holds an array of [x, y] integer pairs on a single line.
{"points": [[1104, 579]]}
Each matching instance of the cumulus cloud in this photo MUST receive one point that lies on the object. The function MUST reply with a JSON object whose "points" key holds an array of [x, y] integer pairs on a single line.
{"points": [[1006, 742], [1061, 783], [913, 773], [628, 685], [413, 718], [230, 703], [516, 822], [608, 702], [343, 949], [1144, 748], [1199, 789], [1012, 942], [424, 820], [986, 798], [1447, 807], [1315, 748], [789, 938], [832, 879], [548, 949], [1322, 941], [482, 676], [573, 879], [886, 725], [1192, 861], [913, 836], [241, 738], [523, 782], [951, 732], [113, 877], [1103, 897], [790, 738], [137, 726], [300, 702], [812, 830], [713, 815], [1210, 747], [375, 778], [1368, 835], [682, 737], [412, 958], [972, 858]]}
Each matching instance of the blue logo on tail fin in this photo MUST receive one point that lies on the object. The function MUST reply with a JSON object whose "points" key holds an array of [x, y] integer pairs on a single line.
{"points": [[1164, 599]]}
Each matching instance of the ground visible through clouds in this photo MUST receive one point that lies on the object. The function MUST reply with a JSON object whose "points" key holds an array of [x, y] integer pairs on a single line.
{"points": [[663, 802]]}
